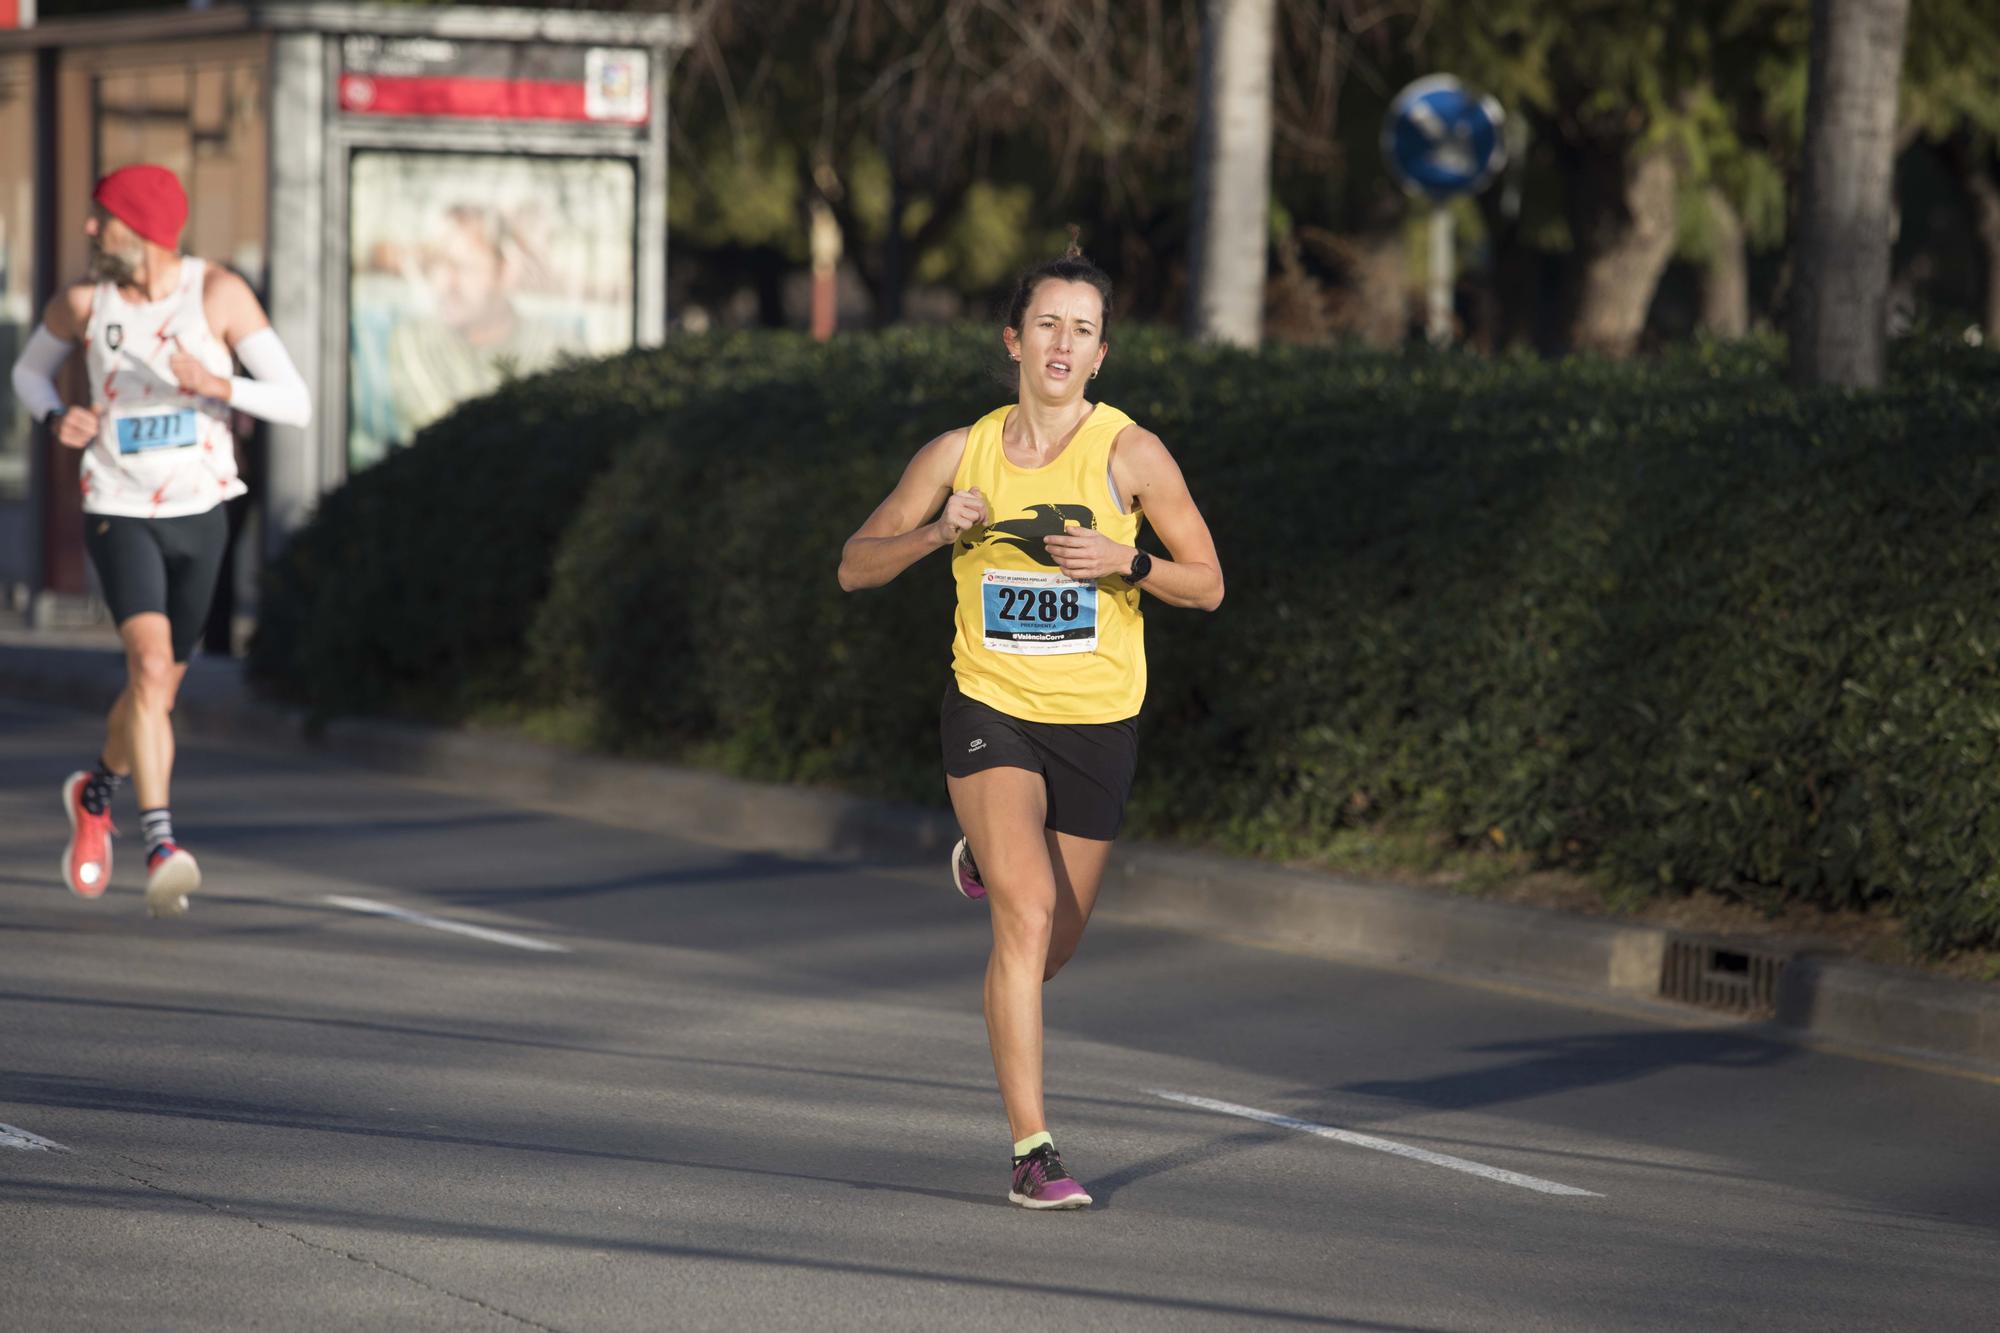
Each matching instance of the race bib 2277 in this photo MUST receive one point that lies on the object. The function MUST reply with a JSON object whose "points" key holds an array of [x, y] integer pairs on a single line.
{"points": [[143, 432]]}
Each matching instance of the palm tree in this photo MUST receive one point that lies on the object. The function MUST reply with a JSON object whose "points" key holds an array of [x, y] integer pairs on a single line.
{"points": [[1846, 200], [1232, 172]]}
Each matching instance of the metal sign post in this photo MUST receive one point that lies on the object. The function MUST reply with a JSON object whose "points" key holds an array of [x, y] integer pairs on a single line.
{"points": [[1441, 141], [1437, 301]]}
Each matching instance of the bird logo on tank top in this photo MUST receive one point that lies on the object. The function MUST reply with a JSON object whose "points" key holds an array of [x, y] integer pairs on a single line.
{"points": [[1044, 520]]}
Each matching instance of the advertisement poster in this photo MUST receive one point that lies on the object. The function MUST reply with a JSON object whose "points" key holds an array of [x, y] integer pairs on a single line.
{"points": [[469, 270]]}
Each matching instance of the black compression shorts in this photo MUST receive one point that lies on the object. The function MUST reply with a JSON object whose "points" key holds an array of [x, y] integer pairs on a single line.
{"points": [[165, 565]]}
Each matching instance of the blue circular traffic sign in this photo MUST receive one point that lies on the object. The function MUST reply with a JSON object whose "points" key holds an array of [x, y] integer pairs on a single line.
{"points": [[1441, 139]]}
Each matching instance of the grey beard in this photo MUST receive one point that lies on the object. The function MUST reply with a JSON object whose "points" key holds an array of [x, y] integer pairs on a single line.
{"points": [[113, 268]]}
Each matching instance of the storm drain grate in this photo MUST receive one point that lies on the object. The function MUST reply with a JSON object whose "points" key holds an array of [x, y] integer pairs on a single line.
{"points": [[1721, 976]]}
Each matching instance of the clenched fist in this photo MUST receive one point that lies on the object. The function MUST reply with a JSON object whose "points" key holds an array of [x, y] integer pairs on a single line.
{"points": [[78, 427], [194, 377], [1088, 555], [965, 509]]}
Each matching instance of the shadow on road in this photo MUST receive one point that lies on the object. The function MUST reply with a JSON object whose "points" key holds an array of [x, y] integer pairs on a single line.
{"points": [[1041, 1286], [1565, 1064]]}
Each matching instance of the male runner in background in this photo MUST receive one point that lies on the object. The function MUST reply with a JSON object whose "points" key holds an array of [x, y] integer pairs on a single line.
{"points": [[161, 334]]}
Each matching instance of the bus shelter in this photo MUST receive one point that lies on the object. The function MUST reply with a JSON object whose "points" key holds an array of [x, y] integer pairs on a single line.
{"points": [[429, 199]]}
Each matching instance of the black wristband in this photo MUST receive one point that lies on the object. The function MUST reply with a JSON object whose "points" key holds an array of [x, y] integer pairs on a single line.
{"points": [[1142, 565], [54, 419]]}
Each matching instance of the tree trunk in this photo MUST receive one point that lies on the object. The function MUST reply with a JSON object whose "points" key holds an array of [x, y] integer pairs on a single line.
{"points": [[1378, 266], [1973, 164], [885, 267], [1373, 305], [1725, 280], [1622, 220], [893, 271], [1986, 198], [1380, 313], [1232, 172], [1295, 302], [1510, 294], [1846, 215]]}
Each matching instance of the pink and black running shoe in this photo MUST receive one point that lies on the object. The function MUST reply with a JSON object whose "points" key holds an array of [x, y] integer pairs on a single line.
{"points": [[965, 874], [1041, 1181], [86, 862]]}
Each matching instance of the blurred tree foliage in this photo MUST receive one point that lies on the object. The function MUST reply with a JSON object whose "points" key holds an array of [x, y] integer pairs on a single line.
{"points": [[1951, 81], [1644, 133], [983, 126], [954, 139], [889, 109]]}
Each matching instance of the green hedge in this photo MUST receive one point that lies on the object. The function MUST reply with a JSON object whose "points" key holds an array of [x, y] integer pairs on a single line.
{"points": [[1670, 623], [412, 589]]}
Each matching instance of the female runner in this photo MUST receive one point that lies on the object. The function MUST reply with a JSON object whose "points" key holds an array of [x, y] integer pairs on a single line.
{"points": [[1040, 502]]}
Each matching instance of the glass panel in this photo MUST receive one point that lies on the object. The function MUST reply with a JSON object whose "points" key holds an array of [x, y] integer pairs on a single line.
{"points": [[468, 270]]}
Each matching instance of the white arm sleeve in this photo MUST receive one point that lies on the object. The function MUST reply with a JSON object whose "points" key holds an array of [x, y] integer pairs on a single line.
{"points": [[35, 372], [278, 393]]}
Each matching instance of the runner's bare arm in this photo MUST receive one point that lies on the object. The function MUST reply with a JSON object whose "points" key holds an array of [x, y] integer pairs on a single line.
{"points": [[1143, 469], [920, 515], [68, 312]]}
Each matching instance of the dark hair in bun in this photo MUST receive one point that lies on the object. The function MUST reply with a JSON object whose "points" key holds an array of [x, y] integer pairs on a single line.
{"points": [[1072, 267]]}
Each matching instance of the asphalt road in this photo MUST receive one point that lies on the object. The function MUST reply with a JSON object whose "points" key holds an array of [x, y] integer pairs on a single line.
{"points": [[754, 1093]]}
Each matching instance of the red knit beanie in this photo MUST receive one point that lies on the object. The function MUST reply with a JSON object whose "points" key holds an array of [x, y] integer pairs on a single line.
{"points": [[147, 199]]}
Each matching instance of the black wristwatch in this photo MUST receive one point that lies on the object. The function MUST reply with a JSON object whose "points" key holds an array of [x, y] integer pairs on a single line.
{"points": [[1142, 565], [54, 419]]}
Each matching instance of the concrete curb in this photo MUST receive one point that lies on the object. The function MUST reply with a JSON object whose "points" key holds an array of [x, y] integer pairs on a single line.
{"points": [[1825, 1000]]}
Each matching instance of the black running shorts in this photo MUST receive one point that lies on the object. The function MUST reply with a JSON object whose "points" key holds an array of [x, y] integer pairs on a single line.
{"points": [[1087, 767], [166, 565]]}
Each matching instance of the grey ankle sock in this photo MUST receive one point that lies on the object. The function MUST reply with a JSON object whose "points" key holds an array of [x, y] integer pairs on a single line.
{"points": [[158, 826]]}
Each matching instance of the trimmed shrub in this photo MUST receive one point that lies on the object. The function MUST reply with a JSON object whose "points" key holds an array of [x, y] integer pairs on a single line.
{"points": [[411, 590], [1671, 623]]}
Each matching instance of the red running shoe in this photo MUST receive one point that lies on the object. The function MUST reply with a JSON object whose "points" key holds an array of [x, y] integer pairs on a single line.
{"points": [[86, 862]]}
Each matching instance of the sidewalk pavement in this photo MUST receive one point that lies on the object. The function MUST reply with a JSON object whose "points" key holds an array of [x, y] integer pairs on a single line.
{"points": [[1789, 995]]}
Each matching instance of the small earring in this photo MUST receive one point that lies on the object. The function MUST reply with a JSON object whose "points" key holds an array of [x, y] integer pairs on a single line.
{"points": [[1093, 374]]}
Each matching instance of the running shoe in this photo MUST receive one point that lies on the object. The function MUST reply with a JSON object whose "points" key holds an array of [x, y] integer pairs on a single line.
{"points": [[965, 874], [1041, 1181], [171, 875], [86, 862]]}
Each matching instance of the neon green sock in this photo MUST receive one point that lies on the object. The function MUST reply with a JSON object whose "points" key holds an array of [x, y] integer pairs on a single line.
{"points": [[1032, 1142]]}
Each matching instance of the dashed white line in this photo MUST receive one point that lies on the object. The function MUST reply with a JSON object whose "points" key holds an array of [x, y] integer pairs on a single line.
{"points": [[486, 933], [1348, 1136], [11, 1137]]}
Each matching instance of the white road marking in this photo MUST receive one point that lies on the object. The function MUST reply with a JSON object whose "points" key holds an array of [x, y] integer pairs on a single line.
{"points": [[439, 923], [1348, 1136], [11, 1137]]}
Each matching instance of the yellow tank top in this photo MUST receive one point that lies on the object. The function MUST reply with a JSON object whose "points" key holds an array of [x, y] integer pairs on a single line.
{"points": [[1032, 642]]}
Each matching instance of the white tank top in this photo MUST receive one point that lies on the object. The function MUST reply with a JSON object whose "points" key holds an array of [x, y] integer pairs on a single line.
{"points": [[160, 453]]}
